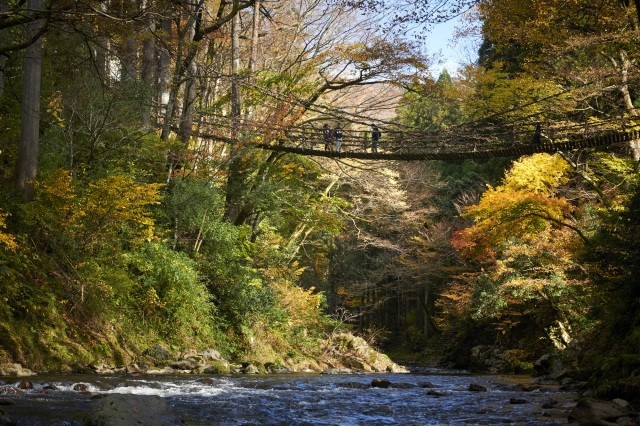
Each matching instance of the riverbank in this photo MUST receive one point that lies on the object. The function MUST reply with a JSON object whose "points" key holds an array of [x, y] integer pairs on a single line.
{"points": [[341, 353]]}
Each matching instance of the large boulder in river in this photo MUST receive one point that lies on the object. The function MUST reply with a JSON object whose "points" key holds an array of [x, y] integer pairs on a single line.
{"points": [[131, 410], [353, 352], [596, 411]]}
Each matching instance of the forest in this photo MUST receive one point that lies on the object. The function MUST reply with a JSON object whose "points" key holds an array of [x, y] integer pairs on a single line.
{"points": [[136, 210]]}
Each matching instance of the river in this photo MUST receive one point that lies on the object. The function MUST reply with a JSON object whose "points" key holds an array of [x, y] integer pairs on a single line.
{"points": [[310, 399]]}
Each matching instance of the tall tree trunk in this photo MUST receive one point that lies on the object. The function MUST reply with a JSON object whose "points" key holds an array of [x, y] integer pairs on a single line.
{"points": [[235, 74], [254, 47], [254, 37], [27, 167], [188, 103], [186, 116], [236, 180], [622, 67], [103, 46], [164, 70], [4, 6], [625, 64], [148, 71]]}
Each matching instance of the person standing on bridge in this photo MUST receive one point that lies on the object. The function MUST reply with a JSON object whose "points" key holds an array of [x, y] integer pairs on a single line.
{"points": [[375, 138], [326, 137], [338, 135]]}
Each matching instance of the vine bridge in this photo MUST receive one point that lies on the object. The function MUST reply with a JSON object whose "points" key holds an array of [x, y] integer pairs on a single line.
{"points": [[452, 144]]}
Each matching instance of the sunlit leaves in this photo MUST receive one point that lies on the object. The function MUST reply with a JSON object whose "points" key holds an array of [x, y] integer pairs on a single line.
{"points": [[539, 173], [112, 209], [496, 94], [119, 204], [6, 239], [522, 207]]}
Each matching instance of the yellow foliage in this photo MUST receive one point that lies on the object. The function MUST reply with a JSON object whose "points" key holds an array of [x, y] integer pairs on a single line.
{"points": [[55, 108], [55, 204], [522, 207], [118, 201], [6, 239], [302, 306], [540, 173], [112, 208]]}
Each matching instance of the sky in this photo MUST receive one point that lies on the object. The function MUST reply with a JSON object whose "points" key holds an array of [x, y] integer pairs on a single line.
{"points": [[449, 53]]}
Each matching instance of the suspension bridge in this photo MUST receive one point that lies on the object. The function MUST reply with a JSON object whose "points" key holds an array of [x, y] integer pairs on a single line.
{"points": [[454, 144]]}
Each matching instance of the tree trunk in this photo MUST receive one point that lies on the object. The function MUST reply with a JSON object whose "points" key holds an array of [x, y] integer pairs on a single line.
{"points": [[236, 180], [254, 48], [4, 6], [186, 116], [103, 46], [28, 146], [625, 64], [164, 71], [235, 74], [148, 72], [254, 37]]}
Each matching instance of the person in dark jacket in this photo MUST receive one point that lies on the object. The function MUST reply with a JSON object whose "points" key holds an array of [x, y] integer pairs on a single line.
{"points": [[375, 138], [327, 137]]}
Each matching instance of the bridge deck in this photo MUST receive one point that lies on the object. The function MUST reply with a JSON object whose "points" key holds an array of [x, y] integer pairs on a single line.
{"points": [[608, 139]]}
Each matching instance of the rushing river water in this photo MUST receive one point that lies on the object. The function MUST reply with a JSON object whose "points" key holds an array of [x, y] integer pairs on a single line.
{"points": [[300, 399]]}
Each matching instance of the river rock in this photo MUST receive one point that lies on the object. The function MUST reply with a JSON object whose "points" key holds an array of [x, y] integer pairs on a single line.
{"points": [[353, 385], [621, 402], [103, 369], [211, 355], [550, 403], [185, 364], [5, 420], [353, 352], [337, 370], [273, 368], [133, 370], [591, 410], [217, 367], [395, 368], [163, 370], [81, 387], [474, 387], [158, 353], [380, 383], [357, 364], [402, 386], [131, 410], [25, 384], [250, 369]]}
